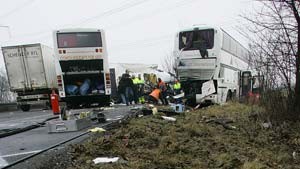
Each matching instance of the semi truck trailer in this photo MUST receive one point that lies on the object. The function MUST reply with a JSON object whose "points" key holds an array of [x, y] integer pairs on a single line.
{"points": [[31, 73]]}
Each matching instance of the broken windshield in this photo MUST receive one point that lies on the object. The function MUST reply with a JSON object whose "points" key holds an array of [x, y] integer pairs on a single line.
{"points": [[195, 40]]}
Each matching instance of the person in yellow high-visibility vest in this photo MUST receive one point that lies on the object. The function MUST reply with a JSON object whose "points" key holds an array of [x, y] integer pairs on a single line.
{"points": [[177, 90], [141, 84], [135, 81], [177, 87]]}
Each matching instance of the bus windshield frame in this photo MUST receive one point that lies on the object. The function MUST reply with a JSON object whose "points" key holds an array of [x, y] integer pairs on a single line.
{"points": [[196, 39], [79, 39]]}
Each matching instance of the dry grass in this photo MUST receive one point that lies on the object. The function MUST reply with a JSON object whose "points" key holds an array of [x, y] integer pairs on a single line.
{"points": [[191, 142]]}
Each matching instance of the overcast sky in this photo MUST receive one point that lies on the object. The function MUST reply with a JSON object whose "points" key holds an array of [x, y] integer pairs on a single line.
{"points": [[137, 31]]}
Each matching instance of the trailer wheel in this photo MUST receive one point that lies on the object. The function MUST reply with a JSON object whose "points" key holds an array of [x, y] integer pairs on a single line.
{"points": [[25, 107]]}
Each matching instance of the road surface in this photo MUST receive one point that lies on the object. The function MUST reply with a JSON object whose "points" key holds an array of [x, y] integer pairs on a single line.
{"points": [[23, 144]]}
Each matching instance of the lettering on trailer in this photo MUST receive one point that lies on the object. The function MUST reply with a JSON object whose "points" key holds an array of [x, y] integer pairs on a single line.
{"points": [[80, 57], [19, 54]]}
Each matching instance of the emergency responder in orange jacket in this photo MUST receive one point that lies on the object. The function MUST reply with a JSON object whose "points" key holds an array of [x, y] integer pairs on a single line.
{"points": [[163, 88]]}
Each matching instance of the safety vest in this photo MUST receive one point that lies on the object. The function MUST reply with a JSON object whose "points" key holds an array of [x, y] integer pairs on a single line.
{"points": [[177, 86], [135, 80], [155, 93], [141, 81]]}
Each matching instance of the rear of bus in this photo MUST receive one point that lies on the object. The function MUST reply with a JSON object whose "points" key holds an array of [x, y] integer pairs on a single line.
{"points": [[83, 73]]}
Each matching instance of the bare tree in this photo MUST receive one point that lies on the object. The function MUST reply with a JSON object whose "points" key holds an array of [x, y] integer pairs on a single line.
{"points": [[168, 63], [275, 44], [5, 94]]}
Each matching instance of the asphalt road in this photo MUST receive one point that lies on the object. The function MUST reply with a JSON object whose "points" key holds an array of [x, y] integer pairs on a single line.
{"points": [[19, 119], [23, 144]]}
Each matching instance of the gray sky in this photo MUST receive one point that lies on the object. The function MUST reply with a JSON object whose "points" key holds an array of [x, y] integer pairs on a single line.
{"points": [[137, 31]]}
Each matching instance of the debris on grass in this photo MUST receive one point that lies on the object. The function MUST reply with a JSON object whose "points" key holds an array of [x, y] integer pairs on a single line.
{"points": [[105, 160], [198, 140], [168, 118], [97, 130]]}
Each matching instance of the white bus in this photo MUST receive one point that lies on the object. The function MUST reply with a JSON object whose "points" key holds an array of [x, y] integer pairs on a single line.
{"points": [[209, 64], [83, 72]]}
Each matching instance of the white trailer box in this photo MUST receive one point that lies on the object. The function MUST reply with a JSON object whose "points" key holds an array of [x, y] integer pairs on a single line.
{"points": [[31, 72]]}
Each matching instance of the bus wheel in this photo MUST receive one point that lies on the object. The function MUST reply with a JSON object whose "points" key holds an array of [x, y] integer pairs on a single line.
{"points": [[25, 107], [229, 96]]}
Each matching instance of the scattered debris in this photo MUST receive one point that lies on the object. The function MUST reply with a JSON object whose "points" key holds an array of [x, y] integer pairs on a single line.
{"points": [[196, 140], [178, 108], [168, 118], [101, 118], [195, 108], [221, 121], [154, 111], [294, 155], [108, 108], [181, 95], [267, 125], [97, 129], [105, 160]]}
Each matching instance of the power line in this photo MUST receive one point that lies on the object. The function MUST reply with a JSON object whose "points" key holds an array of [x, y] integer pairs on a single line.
{"points": [[120, 9], [113, 11], [106, 13], [124, 7], [154, 12]]}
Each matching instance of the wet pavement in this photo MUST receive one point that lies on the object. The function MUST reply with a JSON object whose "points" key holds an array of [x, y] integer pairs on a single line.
{"points": [[23, 144]]}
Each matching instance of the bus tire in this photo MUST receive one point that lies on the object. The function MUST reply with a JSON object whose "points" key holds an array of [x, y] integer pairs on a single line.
{"points": [[25, 107]]}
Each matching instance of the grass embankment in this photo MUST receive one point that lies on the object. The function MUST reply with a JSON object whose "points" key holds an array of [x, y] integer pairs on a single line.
{"points": [[196, 141]]}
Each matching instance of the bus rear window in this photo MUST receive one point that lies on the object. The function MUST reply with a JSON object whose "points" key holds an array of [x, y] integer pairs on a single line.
{"points": [[198, 39], [79, 39]]}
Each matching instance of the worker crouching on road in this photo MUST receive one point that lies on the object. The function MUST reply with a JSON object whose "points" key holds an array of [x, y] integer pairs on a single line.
{"points": [[163, 88], [154, 96]]}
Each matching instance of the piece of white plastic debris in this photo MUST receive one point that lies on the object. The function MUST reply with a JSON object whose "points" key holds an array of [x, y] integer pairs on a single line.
{"points": [[154, 111], [168, 118], [179, 96], [97, 129], [108, 108], [294, 155], [151, 105], [105, 160], [267, 125]]}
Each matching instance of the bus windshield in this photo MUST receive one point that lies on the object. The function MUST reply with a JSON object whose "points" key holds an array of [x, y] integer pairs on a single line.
{"points": [[79, 39], [195, 40]]}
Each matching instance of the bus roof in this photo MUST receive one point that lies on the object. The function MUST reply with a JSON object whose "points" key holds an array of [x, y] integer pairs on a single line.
{"points": [[200, 27], [80, 30]]}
